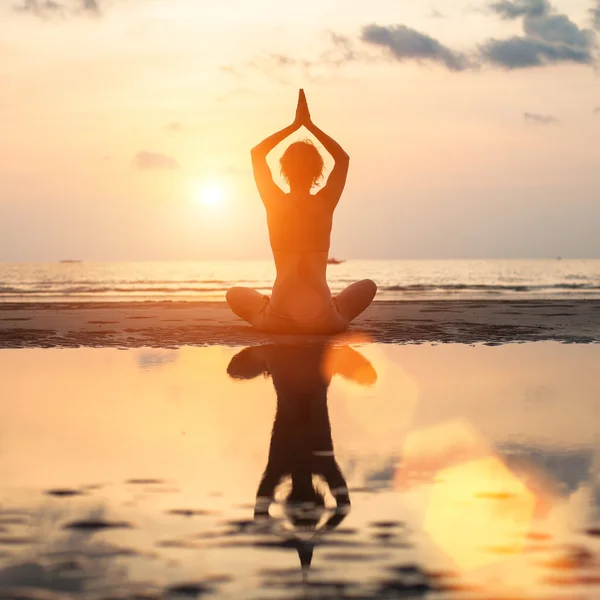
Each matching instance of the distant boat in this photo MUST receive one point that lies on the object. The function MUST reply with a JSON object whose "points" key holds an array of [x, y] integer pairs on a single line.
{"points": [[335, 261], [69, 262]]}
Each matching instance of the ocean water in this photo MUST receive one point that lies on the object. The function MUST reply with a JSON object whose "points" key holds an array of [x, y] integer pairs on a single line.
{"points": [[397, 279]]}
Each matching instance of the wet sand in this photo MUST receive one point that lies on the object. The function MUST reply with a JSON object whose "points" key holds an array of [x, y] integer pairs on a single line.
{"points": [[171, 324]]}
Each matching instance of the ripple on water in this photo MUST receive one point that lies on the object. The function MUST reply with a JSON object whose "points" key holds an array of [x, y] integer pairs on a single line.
{"points": [[190, 512], [91, 525], [15, 541], [63, 493], [387, 524], [190, 590], [146, 482]]}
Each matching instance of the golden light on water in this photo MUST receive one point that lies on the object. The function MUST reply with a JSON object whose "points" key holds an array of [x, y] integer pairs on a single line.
{"points": [[386, 407], [428, 451], [479, 512]]}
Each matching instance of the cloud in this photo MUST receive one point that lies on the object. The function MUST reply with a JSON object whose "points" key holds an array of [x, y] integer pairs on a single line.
{"points": [[340, 51], [595, 11], [549, 38], [274, 65], [436, 14], [154, 160], [558, 29], [521, 8], [522, 52], [537, 119], [405, 43], [51, 8], [91, 6], [41, 8]]}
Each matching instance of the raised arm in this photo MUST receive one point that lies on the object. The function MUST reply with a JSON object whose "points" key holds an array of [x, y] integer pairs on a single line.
{"points": [[336, 151], [261, 150], [337, 179], [267, 188]]}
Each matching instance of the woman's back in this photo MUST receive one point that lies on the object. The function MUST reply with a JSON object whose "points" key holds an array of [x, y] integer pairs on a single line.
{"points": [[299, 231], [300, 223]]}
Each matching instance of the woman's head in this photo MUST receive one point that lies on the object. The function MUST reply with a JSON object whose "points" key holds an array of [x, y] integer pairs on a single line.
{"points": [[302, 165]]}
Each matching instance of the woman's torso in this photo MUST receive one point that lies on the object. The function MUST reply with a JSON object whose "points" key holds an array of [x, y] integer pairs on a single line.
{"points": [[302, 425], [299, 231]]}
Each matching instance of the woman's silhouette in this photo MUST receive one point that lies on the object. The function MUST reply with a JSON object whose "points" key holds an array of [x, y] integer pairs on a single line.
{"points": [[301, 445], [299, 231]]}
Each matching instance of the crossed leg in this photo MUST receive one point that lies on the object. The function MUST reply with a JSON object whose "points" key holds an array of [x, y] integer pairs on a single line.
{"points": [[246, 303], [355, 299]]}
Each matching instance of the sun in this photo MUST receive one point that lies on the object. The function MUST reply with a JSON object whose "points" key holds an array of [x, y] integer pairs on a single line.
{"points": [[210, 194]]}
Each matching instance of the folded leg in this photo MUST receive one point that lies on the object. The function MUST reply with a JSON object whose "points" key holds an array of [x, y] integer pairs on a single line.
{"points": [[355, 299], [246, 303]]}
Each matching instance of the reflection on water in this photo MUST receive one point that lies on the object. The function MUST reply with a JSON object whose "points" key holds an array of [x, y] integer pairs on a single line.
{"points": [[301, 447], [319, 471]]}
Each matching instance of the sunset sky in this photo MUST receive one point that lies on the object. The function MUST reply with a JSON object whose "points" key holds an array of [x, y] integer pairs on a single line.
{"points": [[125, 125]]}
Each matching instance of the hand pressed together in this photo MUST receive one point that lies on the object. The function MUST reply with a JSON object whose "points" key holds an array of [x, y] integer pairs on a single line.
{"points": [[302, 112]]}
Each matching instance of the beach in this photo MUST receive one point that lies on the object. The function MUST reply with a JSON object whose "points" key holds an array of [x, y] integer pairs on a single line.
{"points": [[177, 323], [451, 432], [152, 426], [432, 185]]}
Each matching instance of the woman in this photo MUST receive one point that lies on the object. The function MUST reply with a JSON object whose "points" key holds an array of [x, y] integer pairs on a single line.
{"points": [[299, 231]]}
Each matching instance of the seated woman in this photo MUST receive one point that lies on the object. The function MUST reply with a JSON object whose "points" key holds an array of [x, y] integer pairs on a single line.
{"points": [[299, 230]]}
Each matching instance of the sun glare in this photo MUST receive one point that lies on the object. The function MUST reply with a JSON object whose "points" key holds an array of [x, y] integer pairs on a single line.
{"points": [[209, 194]]}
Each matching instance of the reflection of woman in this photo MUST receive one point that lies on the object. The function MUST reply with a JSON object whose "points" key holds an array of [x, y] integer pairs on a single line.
{"points": [[299, 231], [301, 445]]}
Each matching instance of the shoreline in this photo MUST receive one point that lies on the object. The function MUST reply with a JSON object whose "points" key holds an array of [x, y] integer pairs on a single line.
{"points": [[171, 323]]}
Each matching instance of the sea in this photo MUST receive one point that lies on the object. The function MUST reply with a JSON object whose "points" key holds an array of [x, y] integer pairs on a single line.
{"points": [[82, 281]]}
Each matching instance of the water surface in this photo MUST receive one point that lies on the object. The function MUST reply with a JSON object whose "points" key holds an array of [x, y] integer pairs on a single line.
{"points": [[209, 280], [357, 471]]}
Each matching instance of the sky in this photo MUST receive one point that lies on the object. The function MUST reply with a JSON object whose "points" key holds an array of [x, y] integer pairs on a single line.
{"points": [[126, 125]]}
